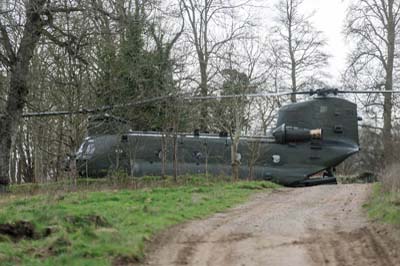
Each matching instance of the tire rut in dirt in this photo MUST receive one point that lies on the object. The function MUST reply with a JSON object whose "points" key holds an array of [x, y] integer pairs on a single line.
{"points": [[323, 225]]}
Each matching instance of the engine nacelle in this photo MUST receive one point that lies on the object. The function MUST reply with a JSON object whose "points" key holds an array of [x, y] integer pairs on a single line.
{"points": [[285, 134]]}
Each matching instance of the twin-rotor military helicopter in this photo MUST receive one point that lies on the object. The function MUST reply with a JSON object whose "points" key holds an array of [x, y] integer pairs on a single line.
{"points": [[310, 137]]}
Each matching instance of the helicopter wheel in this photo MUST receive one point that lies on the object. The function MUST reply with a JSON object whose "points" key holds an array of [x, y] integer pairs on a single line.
{"points": [[329, 173]]}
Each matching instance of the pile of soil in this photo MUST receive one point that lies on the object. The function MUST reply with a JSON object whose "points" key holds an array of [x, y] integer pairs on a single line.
{"points": [[18, 230]]}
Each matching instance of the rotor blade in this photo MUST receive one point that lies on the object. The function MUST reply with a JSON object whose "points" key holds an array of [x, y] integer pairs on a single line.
{"points": [[190, 97], [150, 100], [250, 95], [55, 113], [368, 91], [94, 110]]}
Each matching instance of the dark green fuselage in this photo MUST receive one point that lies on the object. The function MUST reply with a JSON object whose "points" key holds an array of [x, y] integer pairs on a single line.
{"points": [[289, 159]]}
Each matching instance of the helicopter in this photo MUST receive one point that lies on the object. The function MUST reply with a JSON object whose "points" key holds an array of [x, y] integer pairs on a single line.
{"points": [[310, 137]]}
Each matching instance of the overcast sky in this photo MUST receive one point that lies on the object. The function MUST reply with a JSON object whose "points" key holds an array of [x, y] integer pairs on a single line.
{"points": [[329, 18]]}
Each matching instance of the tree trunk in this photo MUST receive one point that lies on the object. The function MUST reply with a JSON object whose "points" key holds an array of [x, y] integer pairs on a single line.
{"points": [[387, 108], [254, 149], [59, 160], [292, 56], [235, 161], [5, 148], [203, 92], [293, 97], [235, 146], [164, 147], [387, 122], [9, 122], [175, 156], [18, 84]]}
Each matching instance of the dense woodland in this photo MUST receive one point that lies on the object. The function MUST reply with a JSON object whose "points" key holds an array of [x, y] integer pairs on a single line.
{"points": [[73, 55]]}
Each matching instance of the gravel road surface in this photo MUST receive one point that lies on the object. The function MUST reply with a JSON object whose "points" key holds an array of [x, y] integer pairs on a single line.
{"points": [[321, 225]]}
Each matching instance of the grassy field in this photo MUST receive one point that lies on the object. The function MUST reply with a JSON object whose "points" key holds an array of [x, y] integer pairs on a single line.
{"points": [[384, 206], [108, 227]]}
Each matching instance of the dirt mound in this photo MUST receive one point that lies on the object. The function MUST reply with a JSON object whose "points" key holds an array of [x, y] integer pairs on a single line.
{"points": [[18, 230]]}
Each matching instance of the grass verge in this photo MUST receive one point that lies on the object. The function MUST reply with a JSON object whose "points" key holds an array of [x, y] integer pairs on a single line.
{"points": [[384, 206], [106, 228]]}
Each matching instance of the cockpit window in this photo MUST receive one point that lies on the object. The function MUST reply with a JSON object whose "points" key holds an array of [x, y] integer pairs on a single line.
{"points": [[80, 151], [87, 148], [90, 148]]}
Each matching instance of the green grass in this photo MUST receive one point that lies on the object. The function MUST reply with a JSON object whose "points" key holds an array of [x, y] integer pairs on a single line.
{"points": [[384, 206], [95, 228]]}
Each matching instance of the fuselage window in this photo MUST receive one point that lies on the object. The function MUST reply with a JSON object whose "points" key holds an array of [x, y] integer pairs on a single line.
{"points": [[80, 151], [90, 149], [124, 138], [197, 155]]}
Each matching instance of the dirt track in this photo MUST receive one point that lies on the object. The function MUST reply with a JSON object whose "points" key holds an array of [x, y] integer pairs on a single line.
{"points": [[323, 225]]}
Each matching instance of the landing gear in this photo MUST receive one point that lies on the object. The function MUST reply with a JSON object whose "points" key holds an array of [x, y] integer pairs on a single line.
{"points": [[328, 177], [330, 172]]}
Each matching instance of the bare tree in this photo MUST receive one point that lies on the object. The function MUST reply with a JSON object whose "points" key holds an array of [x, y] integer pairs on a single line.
{"points": [[233, 115], [374, 26], [17, 61], [212, 25], [77, 57], [20, 31], [297, 46], [266, 108]]}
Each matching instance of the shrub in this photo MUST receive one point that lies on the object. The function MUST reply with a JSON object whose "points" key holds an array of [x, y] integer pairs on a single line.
{"points": [[390, 178]]}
